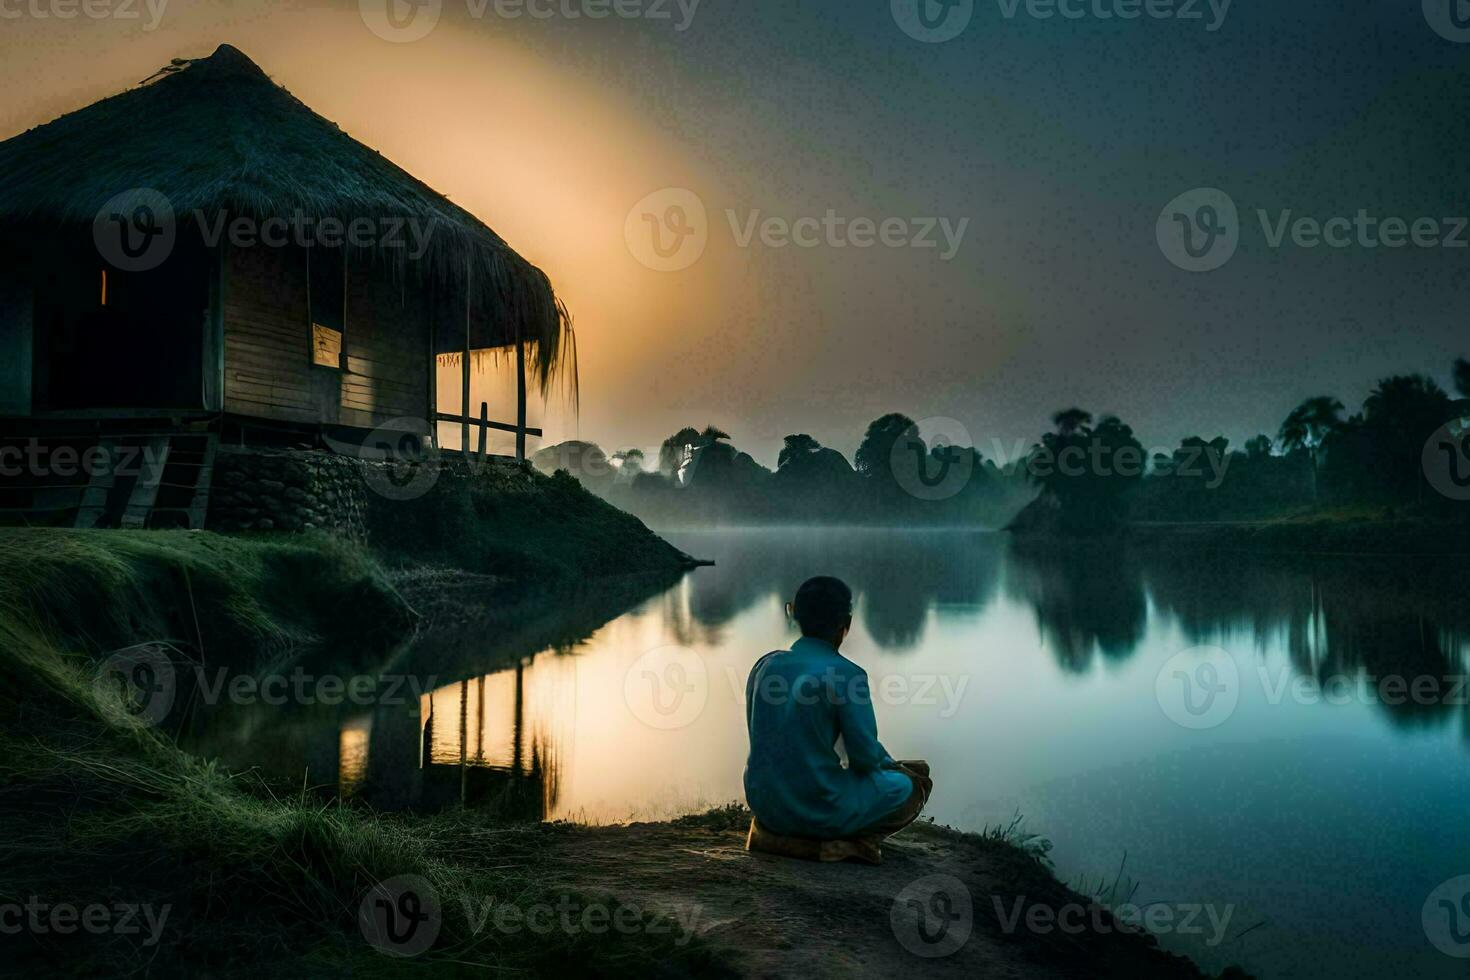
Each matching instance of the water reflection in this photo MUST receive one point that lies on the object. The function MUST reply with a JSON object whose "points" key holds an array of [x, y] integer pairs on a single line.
{"points": [[501, 708], [1086, 605], [525, 710], [898, 577]]}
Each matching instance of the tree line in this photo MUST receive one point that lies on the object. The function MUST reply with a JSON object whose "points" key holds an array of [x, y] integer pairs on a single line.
{"points": [[1085, 475]]}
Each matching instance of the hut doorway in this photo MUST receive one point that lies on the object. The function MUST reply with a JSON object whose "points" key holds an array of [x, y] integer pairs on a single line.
{"points": [[109, 340]]}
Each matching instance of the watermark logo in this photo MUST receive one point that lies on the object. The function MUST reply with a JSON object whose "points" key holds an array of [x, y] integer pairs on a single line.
{"points": [[135, 230], [301, 687], [837, 231], [944, 692], [1449, 18], [1446, 917], [933, 21], [405, 461], [572, 916], [668, 230], [935, 469], [41, 918], [401, 916], [1210, 922], [1447, 459], [141, 679], [1198, 688], [1199, 231], [932, 916], [667, 687], [401, 21], [1184, 11], [90, 9]]}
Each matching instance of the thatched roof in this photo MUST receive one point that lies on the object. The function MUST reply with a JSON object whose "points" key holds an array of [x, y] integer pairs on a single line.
{"points": [[217, 135]]}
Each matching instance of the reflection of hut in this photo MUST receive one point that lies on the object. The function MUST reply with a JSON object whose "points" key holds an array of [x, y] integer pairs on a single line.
{"points": [[524, 786], [203, 256]]}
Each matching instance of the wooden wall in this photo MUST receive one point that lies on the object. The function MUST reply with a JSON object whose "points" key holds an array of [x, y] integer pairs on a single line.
{"points": [[267, 336], [267, 341], [386, 349]]}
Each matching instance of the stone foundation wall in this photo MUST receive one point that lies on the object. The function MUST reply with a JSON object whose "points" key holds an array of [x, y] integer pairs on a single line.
{"points": [[287, 490]]}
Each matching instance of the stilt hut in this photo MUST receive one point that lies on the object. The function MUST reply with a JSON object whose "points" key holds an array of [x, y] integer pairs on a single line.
{"points": [[203, 258]]}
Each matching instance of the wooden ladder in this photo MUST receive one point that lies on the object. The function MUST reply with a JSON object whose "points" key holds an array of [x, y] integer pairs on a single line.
{"points": [[166, 480]]}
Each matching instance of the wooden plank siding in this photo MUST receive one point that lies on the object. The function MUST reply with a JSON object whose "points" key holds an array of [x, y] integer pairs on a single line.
{"points": [[267, 343], [384, 349], [267, 357]]}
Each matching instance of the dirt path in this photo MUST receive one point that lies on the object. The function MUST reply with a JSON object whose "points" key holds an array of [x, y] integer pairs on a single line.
{"points": [[786, 918]]}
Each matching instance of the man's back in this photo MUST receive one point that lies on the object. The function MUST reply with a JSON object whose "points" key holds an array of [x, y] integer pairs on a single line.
{"points": [[798, 703]]}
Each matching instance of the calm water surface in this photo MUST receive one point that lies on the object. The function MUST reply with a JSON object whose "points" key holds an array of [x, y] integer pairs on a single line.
{"points": [[1269, 775]]}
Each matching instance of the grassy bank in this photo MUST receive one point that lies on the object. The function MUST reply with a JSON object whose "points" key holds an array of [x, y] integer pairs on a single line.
{"points": [[96, 808], [510, 520]]}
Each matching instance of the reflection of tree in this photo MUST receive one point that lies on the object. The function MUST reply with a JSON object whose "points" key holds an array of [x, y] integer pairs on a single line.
{"points": [[897, 577], [1086, 600], [1340, 618]]}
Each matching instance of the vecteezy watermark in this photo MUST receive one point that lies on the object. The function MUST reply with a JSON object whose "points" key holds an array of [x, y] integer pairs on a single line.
{"points": [[33, 457], [1076, 918], [139, 679], [401, 916], [89, 9], [1447, 459], [667, 687], [1200, 230], [136, 231], [1446, 917], [99, 919], [404, 21], [942, 691], [1393, 690], [1449, 18], [936, 468], [669, 230], [403, 463], [571, 915], [933, 21], [932, 916], [404, 915], [1198, 688], [833, 230], [301, 687], [936, 21]]}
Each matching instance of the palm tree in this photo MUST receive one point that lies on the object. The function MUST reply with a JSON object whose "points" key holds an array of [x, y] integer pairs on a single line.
{"points": [[1308, 425], [711, 435]]}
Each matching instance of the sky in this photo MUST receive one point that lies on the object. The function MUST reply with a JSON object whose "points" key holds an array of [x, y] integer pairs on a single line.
{"points": [[979, 231]]}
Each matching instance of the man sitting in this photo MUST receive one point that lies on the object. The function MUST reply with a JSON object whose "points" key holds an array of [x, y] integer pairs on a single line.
{"points": [[800, 703]]}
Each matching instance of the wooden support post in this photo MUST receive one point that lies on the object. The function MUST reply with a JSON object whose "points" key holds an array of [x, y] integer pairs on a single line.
{"points": [[464, 399], [520, 399], [484, 427]]}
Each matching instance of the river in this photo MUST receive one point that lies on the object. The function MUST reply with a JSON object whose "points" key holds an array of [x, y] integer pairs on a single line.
{"points": [[1279, 743]]}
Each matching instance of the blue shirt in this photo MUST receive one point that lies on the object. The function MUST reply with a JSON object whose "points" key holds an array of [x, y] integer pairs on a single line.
{"points": [[797, 704]]}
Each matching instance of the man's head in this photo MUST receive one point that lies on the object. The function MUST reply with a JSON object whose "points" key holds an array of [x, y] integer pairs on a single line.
{"points": [[823, 609]]}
